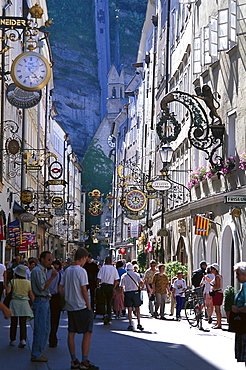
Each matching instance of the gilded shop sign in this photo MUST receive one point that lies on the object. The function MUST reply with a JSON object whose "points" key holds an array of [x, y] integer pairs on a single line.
{"points": [[13, 22]]}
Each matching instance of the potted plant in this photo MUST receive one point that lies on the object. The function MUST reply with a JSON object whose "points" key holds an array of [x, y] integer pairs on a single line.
{"points": [[229, 295], [228, 165], [242, 161]]}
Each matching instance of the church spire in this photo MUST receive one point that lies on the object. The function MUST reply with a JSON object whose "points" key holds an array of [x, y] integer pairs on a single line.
{"points": [[117, 43]]}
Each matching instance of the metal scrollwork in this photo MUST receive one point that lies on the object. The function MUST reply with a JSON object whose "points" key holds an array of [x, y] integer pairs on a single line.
{"points": [[201, 133], [13, 157]]}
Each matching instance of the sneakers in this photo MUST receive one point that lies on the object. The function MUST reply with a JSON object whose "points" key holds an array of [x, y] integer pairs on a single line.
{"points": [[22, 344], [12, 343], [87, 365], [139, 327], [75, 364]]}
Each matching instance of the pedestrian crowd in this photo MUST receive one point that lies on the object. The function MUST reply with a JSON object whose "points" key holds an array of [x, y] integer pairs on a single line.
{"points": [[41, 288]]}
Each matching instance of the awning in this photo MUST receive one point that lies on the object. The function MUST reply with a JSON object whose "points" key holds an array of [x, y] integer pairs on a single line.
{"points": [[17, 208]]}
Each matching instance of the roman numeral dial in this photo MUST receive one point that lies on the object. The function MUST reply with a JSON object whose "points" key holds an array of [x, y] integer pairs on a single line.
{"points": [[30, 71]]}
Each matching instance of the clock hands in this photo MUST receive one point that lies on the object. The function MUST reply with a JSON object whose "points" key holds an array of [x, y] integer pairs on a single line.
{"points": [[33, 73]]}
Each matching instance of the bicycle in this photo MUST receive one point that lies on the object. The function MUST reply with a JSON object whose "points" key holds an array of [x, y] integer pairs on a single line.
{"points": [[194, 307]]}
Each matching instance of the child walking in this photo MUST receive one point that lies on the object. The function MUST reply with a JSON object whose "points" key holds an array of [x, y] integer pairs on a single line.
{"points": [[118, 298]]}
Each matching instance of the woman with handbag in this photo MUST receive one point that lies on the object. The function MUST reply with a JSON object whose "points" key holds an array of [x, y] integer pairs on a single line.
{"points": [[240, 307], [217, 294]]}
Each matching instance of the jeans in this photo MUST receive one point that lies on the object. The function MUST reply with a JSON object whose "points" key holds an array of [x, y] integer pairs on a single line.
{"points": [[179, 305], [41, 310], [160, 301]]}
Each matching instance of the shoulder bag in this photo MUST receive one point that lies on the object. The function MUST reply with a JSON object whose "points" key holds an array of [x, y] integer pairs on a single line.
{"points": [[8, 297], [237, 321], [139, 290]]}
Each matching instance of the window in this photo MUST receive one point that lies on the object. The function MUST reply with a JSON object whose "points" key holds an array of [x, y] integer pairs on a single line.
{"points": [[241, 18], [173, 27], [233, 22], [206, 46], [213, 30], [223, 19], [197, 54], [231, 149]]}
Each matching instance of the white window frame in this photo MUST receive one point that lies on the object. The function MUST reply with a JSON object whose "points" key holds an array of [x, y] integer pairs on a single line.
{"points": [[213, 30], [223, 29], [233, 21], [241, 18], [197, 55], [206, 46]]}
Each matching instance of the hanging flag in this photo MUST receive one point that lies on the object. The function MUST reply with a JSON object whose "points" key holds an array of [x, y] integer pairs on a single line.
{"points": [[201, 225]]}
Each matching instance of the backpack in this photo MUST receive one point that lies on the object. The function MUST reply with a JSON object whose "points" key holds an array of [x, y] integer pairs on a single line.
{"points": [[196, 277]]}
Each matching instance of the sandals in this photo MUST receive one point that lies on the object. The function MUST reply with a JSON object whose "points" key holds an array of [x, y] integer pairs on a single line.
{"points": [[139, 327], [216, 327], [130, 327]]}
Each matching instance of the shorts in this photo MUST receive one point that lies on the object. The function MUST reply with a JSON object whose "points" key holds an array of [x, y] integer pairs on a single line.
{"points": [[218, 299], [132, 299], [80, 321]]}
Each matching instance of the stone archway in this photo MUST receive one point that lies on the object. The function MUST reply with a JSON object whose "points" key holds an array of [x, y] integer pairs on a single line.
{"points": [[212, 250], [198, 252], [229, 254], [181, 251]]}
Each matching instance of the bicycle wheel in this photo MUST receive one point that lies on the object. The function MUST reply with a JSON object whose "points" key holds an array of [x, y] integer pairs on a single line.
{"points": [[191, 313]]}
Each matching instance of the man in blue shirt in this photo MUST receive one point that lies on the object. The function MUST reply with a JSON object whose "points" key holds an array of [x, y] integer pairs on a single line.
{"points": [[41, 305]]}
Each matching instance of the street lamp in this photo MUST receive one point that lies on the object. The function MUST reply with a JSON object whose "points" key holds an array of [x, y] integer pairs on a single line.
{"points": [[166, 153]]}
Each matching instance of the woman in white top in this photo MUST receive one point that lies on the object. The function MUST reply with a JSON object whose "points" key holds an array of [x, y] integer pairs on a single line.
{"points": [[217, 284], [207, 297]]}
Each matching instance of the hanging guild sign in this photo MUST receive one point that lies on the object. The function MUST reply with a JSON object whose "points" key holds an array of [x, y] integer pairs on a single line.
{"points": [[57, 202], [135, 200], [26, 217], [12, 146], [21, 98], [55, 170], [95, 208], [26, 196], [32, 161], [161, 185]]}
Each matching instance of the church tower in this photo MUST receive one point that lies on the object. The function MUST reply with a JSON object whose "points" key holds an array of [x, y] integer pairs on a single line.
{"points": [[116, 80]]}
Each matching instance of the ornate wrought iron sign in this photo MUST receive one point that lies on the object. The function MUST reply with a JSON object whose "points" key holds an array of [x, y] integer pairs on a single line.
{"points": [[202, 135]]}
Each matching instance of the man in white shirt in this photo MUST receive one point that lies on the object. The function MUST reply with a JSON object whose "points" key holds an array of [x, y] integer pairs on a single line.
{"points": [[108, 278], [80, 315], [132, 284]]}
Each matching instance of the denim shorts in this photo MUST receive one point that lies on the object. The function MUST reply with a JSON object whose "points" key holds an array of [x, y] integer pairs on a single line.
{"points": [[80, 321], [132, 298]]}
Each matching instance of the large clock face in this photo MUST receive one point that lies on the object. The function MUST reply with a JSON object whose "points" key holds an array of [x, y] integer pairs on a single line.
{"points": [[30, 71], [135, 200]]}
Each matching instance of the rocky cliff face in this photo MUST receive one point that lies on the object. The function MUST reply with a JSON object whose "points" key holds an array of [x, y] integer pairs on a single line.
{"points": [[77, 92]]}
